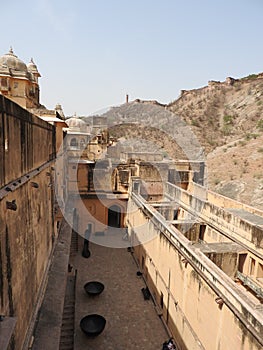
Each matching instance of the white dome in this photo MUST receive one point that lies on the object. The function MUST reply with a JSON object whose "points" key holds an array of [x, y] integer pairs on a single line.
{"points": [[11, 65], [76, 123], [11, 61]]}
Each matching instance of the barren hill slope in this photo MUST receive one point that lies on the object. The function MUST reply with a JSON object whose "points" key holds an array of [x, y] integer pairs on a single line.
{"points": [[223, 112], [227, 118]]}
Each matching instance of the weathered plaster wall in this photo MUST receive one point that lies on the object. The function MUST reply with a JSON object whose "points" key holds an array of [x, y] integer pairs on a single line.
{"points": [[26, 141], [95, 211], [26, 242], [186, 294], [27, 232]]}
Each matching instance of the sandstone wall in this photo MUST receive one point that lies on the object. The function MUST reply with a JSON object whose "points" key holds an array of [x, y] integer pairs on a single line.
{"points": [[26, 207], [188, 297], [26, 141]]}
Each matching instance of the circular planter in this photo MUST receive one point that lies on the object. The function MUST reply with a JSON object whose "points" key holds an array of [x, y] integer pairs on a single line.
{"points": [[94, 288], [92, 325]]}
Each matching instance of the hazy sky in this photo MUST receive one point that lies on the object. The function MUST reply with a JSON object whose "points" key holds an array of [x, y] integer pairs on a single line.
{"points": [[92, 53]]}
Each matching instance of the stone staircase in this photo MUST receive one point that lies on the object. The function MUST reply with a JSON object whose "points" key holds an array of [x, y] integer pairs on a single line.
{"points": [[74, 243], [67, 328]]}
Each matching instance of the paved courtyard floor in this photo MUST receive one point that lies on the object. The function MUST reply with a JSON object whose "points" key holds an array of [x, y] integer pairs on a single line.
{"points": [[132, 322]]}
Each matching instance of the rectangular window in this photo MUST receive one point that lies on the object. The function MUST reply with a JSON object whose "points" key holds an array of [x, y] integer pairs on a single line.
{"points": [[143, 263], [252, 267], [135, 186], [3, 82], [161, 300], [241, 262], [202, 232]]}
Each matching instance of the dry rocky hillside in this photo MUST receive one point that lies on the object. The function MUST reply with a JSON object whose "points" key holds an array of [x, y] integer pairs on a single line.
{"points": [[227, 118], [226, 121]]}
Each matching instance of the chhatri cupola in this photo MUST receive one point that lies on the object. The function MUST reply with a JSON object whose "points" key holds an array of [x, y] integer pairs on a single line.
{"points": [[19, 81]]}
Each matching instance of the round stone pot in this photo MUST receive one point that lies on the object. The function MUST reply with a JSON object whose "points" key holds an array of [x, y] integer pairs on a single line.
{"points": [[94, 288], [92, 325]]}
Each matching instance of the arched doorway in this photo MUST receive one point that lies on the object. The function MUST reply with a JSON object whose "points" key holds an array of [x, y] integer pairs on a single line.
{"points": [[114, 216]]}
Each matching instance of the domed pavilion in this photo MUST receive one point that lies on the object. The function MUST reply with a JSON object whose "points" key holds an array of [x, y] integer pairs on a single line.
{"points": [[19, 81]]}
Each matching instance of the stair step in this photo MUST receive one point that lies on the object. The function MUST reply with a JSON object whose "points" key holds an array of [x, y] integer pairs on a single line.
{"points": [[69, 310], [67, 330], [66, 347], [68, 317], [66, 339], [67, 326]]}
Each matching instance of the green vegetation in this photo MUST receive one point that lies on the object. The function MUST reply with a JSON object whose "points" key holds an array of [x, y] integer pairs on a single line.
{"points": [[226, 130], [228, 121], [212, 142], [260, 125], [216, 181], [250, 76], [257, 176], [195, 122], [250, 136], [242, 143]]}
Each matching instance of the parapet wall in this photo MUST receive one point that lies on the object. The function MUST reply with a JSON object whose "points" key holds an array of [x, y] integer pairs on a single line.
{"points": [[221, 218]]}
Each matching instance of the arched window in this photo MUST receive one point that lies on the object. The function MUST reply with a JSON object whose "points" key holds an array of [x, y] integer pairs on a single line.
{"points": [[82, 143], [114, 216], [74, 143]]}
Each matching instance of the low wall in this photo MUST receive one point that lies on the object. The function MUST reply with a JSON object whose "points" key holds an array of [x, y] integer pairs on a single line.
{"points": [[220, 217]]}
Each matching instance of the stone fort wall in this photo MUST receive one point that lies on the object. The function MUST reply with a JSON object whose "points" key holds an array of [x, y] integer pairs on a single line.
{"points": [[27, 151]]}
